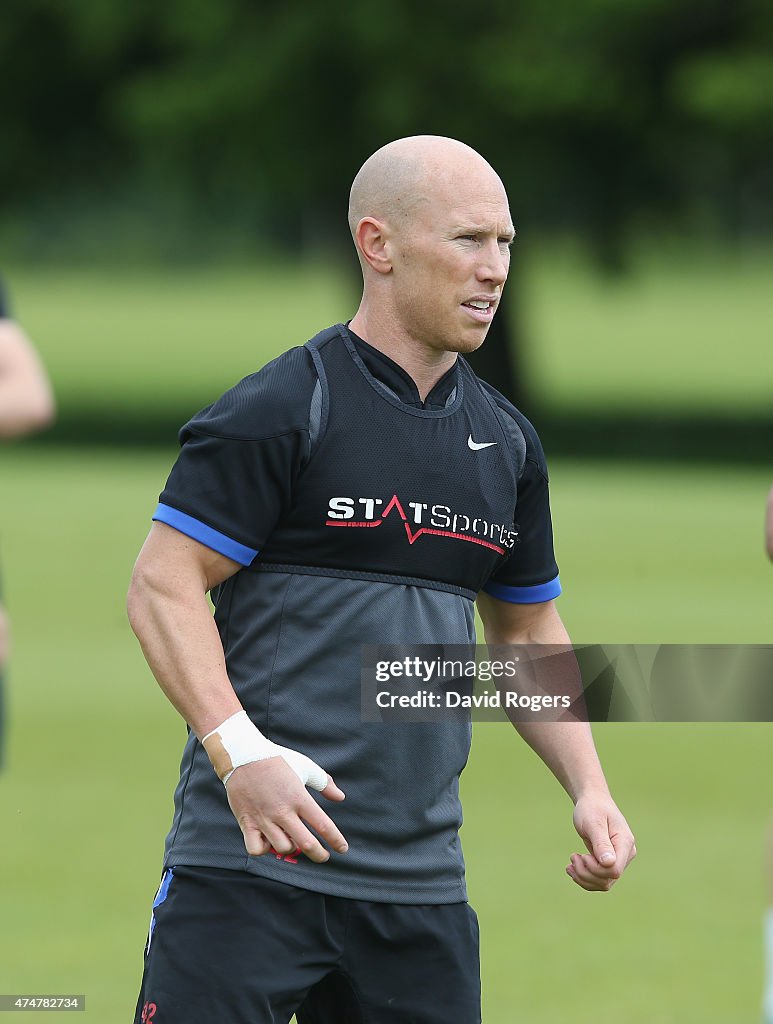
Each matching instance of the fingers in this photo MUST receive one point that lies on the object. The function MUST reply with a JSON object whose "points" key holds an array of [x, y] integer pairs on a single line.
{"points": [[331, 791], [605, 856], [600, 844], [288, 833], [273, 810], [314, 776], [255, 842], [586, 872], [283, 840], [589, 874], [625, 848], [310, 774], [324, 826], [609, 842], [595, 875], [308, 844]]}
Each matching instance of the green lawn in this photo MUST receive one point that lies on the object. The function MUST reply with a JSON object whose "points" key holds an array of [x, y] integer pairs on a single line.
{"points": [[648, 554], [143, 338], [685, 331]]}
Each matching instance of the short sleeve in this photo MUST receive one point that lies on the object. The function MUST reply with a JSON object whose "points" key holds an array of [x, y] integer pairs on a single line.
{"points": [[233, 478], [530, 574]]}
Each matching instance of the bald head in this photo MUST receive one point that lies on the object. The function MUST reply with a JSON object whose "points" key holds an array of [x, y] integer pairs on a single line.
{"points": [[401, 176], [432, 227]]}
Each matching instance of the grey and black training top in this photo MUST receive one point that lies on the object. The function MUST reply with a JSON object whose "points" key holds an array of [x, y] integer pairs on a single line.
{"points": [[360, 516]]}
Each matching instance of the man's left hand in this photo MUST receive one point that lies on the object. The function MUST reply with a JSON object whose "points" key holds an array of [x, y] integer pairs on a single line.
{"points": [[609, 840]]}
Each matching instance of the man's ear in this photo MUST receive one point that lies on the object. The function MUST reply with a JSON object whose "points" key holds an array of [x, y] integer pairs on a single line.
{"points": [[374, 244]]}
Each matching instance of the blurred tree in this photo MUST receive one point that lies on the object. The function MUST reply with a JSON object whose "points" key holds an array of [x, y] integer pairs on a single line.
{"points": [[601, 116]]}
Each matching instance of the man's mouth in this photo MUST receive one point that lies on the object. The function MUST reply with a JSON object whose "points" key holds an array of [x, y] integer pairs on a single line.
{"points": [[481, 310]]}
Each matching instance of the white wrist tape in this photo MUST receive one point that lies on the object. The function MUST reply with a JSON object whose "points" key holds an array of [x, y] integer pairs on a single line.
{"points": [[237, 742]]}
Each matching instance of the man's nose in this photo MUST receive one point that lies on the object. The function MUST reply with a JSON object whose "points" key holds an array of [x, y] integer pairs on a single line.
{"points": [[494, 265]]}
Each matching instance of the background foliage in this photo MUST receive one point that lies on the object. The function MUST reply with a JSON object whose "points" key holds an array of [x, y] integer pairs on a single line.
{"points": [[173, 184], [601, 117]]}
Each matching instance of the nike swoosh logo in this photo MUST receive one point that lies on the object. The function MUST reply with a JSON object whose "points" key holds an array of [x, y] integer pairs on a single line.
{"points": [[475, 447]]}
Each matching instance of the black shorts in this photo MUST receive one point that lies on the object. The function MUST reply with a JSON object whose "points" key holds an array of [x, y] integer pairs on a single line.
{"points": [[227, 947]]}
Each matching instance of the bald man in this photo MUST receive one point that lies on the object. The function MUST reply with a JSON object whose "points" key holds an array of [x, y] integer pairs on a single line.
{"points": [[363, 489]]}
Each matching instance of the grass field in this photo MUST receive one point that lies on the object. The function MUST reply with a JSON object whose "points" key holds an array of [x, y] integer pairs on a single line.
{"points": [[689, 331], [647, 555]]}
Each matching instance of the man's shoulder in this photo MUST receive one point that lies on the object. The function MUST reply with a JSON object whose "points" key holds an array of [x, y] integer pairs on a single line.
{"points": [[521, 430], [274, 400]]}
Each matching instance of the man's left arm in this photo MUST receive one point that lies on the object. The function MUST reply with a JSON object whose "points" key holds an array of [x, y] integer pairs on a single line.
{"points": [[567, 748]]}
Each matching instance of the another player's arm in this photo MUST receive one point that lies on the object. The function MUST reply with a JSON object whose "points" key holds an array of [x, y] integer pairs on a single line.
{"points": [[769, 526], [567, 748], [5, 641], [170, 614], [26, 399]]}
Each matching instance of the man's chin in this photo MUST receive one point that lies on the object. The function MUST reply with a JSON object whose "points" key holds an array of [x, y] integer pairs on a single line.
{"points": [[470, 341]]}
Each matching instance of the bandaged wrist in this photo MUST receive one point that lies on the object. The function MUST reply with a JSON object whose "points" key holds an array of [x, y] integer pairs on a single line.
{"points": [[237, 742]]}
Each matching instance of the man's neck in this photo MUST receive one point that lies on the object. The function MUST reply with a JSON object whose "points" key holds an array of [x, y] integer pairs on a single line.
{"points": [[424, 365]]}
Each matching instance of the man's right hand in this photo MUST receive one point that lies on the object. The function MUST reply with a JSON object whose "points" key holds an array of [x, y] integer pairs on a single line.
{"points": [[273, 809]]}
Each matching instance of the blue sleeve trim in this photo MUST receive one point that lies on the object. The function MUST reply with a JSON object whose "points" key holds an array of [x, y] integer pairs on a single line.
{"points": [[525, 595], [205, 534]]}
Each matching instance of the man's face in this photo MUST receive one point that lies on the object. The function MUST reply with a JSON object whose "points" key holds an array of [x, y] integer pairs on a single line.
{"points": [[451, 262]]}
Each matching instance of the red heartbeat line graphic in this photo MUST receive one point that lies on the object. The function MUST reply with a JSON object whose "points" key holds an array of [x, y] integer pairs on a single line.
{"points": [[412, 537]]}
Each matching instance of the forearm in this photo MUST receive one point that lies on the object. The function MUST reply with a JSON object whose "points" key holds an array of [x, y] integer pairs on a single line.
{"points": [[4, 637], [23, 410], [174, 625], [26, 400], [567, 748]]}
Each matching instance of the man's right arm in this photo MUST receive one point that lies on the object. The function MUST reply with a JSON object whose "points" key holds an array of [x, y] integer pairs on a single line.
{"points": [[170, 614]]}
